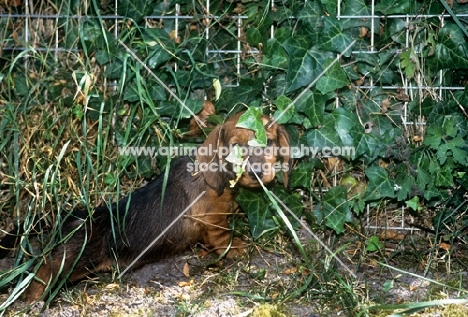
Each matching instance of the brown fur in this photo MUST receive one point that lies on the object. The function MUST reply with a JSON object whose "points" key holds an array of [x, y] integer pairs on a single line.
{"points": [[141, 218], [195, 128]]}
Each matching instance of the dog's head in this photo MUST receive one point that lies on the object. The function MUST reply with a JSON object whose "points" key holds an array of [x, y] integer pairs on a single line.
{"points": [[258, 163]]}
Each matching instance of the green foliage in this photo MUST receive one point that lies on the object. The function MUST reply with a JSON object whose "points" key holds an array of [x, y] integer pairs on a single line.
{"points": [[262, 215], [334, 210], [403, 163], [374, 244], [251, 119], [450, 49], [380, 184]]}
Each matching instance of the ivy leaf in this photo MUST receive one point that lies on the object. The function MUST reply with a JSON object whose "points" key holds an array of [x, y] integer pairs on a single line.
{"points": [[388, 285], [451, 125], [324, 136], [261, 215], [252, 120], [442, 176], [157, 93], [159, 45], [366, 144], [313, 105], [423, 178], [260, 219], [330, 6], [460, 155], [443, 136], [335, 209], [275, 55], [356, 8], [195, 105], [450, 148], [374, 244], [409, 62], [403, 186], [305, 63], [301, 175], [334, 78], [433, 136], [245, 92], [431, 192], [451, 49], [93, 36], [413, 203], [395, 28], [380, 184], [334, 39], [282, 103], [135, 9], [254, 37], [292, 201], [393, 6], [311, 16], [131, 93], [102, 57], [345, 122], [303, 67]]}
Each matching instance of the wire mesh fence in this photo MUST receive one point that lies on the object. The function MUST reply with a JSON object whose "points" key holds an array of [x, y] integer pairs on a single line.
{"points": [[46, 30]]}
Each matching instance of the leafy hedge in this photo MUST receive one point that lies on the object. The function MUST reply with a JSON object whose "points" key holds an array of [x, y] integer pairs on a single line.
{"points": [[410, 144]]}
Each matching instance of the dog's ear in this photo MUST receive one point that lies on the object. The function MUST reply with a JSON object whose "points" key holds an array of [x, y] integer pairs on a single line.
{"points": [[210, 161], [285, 153]]}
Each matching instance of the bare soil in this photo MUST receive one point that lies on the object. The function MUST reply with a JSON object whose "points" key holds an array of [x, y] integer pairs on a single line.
{"points": [[179, 286], [191, 285]]}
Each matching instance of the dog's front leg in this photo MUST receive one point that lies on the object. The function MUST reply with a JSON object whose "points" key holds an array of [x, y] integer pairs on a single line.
{"points": [[213, 214], [219, 237]]}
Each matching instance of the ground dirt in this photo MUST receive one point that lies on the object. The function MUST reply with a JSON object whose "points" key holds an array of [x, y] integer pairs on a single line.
{"points": [[194, 285], [179, 286]]}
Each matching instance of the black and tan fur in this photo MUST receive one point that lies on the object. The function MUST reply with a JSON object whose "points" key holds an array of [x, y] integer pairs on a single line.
{"points": [[142, 220]]}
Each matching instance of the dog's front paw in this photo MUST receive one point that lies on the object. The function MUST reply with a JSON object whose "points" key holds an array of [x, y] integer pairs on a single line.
{"points": [[33, 292], [237, 249]]}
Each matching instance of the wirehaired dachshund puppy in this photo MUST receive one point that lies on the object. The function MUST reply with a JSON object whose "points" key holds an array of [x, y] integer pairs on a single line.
{"points": [[119, 234]]}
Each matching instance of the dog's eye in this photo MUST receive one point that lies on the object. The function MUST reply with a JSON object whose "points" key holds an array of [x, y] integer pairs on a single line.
{"points": [[270, 142]]}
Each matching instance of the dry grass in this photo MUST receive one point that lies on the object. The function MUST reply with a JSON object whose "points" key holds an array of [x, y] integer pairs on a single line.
{"points": [[61, 121]]}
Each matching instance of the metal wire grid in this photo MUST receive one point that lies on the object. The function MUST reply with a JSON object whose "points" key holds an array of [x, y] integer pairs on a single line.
{"points": [[30, 20], [394, 219], [25, 35]]}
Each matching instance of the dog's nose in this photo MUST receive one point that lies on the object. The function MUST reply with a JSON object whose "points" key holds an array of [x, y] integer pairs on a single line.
{"points": [[252, 173]]}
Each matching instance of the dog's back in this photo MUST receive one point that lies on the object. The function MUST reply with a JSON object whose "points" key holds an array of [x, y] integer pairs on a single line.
{"points": [[122, 232]]}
